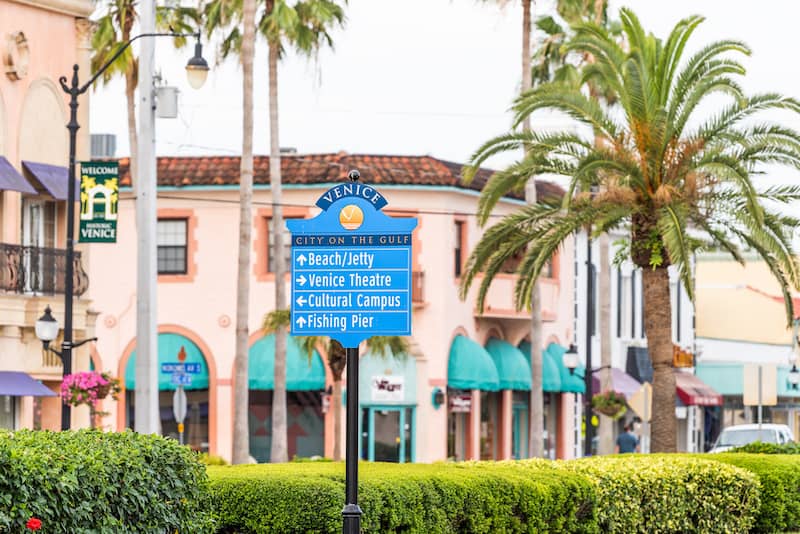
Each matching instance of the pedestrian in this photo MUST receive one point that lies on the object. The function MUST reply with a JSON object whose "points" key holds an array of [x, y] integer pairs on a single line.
{"points": [[627, 441]]}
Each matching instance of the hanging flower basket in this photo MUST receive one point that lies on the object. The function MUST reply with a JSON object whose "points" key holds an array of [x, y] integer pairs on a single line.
{"points": [[610, 403], [89, 388]]}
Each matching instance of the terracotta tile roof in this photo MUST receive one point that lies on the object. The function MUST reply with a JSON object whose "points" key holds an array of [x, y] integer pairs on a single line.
{"points": [[180, 171]]}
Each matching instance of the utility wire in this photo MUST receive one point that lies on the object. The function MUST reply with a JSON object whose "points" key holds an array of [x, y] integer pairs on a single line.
{"points": [[290, 205]]}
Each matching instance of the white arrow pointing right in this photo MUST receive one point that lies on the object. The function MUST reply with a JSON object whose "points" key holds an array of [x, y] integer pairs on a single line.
{"points": [[301, 281]]}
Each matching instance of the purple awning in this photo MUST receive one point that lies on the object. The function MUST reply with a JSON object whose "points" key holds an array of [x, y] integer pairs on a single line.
{"points": [[52, 179], [19, 384], [11, 180], [621, 382]]}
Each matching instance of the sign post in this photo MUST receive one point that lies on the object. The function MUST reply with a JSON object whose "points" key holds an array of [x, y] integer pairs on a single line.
{"points": [[180, 376], [351, 279]]}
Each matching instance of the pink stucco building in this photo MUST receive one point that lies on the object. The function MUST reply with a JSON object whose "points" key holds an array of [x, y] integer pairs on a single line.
{"points": [[463, 390], [40, 41]]}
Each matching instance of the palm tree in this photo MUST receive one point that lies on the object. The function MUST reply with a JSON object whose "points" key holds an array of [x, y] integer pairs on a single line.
{"points": [[113, 32], [241, 430], [678, 180], [304, 26], [381, 346]]}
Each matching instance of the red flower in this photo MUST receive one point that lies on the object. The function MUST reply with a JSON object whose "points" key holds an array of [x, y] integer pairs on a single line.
{"points": [[34, 524]]}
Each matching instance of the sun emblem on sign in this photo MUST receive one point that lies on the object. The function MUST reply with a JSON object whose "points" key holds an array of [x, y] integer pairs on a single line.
{"points": [[351, 217]]}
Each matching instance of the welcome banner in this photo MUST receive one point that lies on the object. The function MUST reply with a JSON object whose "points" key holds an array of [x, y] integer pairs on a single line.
{"points": [[99, 198]]}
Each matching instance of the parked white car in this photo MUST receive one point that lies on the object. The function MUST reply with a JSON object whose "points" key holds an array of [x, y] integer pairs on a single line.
{"points": [[738, 435]]}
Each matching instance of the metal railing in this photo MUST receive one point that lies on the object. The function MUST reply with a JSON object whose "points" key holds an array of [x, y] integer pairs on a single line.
{"points": [[38, 270], [417, 287]]}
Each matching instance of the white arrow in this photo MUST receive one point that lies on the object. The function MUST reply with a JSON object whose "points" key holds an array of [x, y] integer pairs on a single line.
{"points": [[300, 300], [301, 260], [301, 281], [301, 321]]}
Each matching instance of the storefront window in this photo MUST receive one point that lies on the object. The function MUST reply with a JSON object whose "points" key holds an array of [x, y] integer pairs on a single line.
{"points": [[304, 423], [458, 408], [7, 412], [387, 434]]}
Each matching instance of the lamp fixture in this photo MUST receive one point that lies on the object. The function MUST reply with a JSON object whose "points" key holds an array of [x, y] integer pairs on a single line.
{"points": [[197, 67]]}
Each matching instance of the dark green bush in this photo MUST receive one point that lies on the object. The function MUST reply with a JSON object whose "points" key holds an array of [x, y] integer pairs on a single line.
{"points": [[91, 481], [779, 476], [669, 493], [437, 498]]}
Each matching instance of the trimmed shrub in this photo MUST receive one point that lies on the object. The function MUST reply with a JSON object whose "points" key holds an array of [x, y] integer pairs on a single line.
{"points": [[91, 481], [779, 476], [437, 498], [669, 493], [759, 447]]}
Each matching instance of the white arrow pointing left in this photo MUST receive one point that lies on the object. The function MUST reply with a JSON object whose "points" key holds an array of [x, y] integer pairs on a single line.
{"points": [[300, 300]]}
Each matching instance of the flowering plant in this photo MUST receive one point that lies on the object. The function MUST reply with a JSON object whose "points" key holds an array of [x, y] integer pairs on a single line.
{"points": [[87, 388], [610, 403], [33, 523]]}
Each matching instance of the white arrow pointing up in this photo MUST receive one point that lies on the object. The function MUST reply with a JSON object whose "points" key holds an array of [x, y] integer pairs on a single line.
{"points": [[301, 300], [301, 281], [301, 260], [301, 321]]}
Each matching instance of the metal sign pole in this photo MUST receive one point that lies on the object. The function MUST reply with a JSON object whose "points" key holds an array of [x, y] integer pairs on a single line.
{"points": [[352, 512]]}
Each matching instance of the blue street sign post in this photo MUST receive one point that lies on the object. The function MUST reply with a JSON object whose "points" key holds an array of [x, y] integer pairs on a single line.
{"points": [[351, 279]]}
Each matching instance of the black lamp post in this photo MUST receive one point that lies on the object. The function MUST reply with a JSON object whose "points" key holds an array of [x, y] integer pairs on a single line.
{"points": [[571, 362], [47, 330], [794, 373], [197, 71]]}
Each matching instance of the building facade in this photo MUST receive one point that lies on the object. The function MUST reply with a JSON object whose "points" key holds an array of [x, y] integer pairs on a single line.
{"points": [[41, 40], [462, 392], [741, 326]]}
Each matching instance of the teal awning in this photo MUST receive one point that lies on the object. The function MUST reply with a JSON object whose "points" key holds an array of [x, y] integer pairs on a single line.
{"points": [[570, 382], [513, 370], [169, 345], [551, 379], [301, 374], [727, 378], [470, 366]]}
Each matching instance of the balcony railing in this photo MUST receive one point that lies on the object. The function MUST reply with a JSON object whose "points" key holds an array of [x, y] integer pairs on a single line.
{"points": [[38, 270], [417, 287]]}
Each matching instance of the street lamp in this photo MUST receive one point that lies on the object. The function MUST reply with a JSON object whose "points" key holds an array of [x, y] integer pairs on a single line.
{"points": [[46, 328], [570, 360], [196, 70], [794, 373]]}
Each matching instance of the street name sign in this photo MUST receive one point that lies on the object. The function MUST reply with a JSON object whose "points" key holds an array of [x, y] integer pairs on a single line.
{"points": [[351, 268], [177, 367]]}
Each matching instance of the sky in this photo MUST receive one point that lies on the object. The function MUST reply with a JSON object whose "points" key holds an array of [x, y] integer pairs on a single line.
{"points": [[416, 77]]}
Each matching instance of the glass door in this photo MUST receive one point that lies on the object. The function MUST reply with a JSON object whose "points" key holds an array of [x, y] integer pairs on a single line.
{"points": [[38, 231], [387, 434], [519, 431]]}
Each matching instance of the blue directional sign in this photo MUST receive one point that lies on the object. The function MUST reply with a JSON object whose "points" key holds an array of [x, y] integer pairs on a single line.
{"points": [[351, 268]]}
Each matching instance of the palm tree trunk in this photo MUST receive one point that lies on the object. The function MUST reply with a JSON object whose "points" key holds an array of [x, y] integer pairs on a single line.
{"points": [[133, 139], [605, 432], [279, 451], [658, 329], [336, 404], [241, 430], [535, 436]]}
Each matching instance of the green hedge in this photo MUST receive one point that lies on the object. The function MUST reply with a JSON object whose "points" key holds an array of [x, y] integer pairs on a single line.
{"points": [[769, 448], [418, 498], [779, 476], [663, 493], [91, 481]]}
